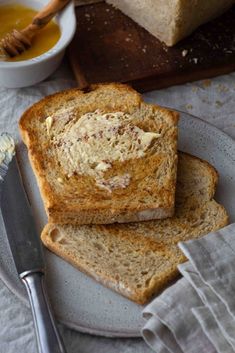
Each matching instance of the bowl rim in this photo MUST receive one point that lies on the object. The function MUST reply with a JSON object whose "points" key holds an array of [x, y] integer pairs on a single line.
{"points": [[68, 11]]}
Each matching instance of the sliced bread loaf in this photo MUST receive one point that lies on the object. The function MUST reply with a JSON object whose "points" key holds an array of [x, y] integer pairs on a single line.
{"points": [[102, 156], [139, 259], [168, 20]]}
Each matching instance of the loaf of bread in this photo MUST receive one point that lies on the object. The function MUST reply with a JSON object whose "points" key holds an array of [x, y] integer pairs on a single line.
{"points": [[139, 259], [170, 21], [102, 156]]}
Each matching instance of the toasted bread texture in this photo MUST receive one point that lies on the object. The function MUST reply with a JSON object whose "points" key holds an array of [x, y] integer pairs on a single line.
{"points": [[102, 156], [139, 259]]}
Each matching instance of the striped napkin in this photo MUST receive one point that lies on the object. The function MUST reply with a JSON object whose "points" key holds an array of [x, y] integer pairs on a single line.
{"points": [[197, 313]]}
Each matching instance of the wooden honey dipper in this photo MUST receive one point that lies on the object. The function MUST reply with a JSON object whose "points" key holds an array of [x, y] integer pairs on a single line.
{"points": [[18, 41]]}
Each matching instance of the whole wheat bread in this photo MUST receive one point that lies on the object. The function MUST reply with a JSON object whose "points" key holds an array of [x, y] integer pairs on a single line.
{"points": [[139, 259], [125, 172]]}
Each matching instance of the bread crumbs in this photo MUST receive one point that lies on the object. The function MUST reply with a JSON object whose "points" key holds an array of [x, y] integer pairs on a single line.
{"points": [[184, 52], [219, 104], [222, 88], [206, 83], [189, 106]]}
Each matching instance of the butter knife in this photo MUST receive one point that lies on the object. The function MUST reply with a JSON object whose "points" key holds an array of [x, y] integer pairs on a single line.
{"points": [[26, 247]]}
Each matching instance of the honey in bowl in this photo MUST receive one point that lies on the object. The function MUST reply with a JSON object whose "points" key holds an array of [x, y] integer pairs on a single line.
{"points": [[16, 16]]}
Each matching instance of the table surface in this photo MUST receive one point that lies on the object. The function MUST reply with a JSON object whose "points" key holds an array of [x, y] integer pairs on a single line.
{"points": [[212, 100]]}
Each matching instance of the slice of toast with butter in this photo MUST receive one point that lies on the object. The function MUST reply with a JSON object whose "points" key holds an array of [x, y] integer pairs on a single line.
{"points": [[140, 259], [102, 156]]}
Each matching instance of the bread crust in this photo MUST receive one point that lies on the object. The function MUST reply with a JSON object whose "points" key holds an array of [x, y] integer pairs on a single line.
{"points": [[95, 210]]}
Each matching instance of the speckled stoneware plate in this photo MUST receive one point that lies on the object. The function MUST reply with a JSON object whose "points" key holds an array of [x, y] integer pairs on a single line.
{"points": [[79, 301]]}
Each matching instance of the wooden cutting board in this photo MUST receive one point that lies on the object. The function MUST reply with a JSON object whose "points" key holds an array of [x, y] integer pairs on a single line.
{"points": [[109, 47]]}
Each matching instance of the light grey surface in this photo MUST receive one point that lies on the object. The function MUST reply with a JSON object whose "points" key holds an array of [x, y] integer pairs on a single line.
{"points": [[214, 102]]}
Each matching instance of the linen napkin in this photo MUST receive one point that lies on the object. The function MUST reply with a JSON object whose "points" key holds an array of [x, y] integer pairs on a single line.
{"points": [[197, 313]]}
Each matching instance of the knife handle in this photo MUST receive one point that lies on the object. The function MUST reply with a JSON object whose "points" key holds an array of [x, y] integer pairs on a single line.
{"points": [[48, 337]]}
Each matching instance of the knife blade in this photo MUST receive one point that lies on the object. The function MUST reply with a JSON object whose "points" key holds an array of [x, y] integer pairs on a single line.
{"points": [[26, 247], [19, 223]]}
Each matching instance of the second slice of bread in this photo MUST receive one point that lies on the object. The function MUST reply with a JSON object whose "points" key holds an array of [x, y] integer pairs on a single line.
{"points": [[102, 156]]}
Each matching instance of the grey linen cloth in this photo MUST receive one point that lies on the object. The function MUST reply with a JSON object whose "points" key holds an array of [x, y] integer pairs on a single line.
{"points": [[197, 313]]}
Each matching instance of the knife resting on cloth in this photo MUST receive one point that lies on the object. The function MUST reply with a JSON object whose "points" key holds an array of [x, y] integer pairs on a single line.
{"points": [[26, 247]]}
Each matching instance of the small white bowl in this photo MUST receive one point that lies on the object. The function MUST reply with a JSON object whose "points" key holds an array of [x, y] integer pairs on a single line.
{"points": [[28, 72]]}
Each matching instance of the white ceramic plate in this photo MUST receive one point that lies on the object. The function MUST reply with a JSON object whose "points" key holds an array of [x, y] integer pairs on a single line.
{"points": [[79, 301]]}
